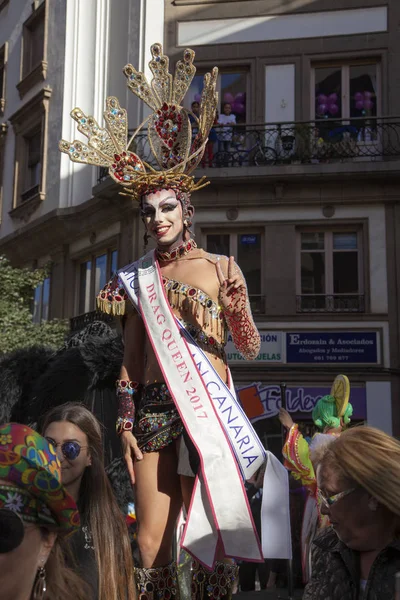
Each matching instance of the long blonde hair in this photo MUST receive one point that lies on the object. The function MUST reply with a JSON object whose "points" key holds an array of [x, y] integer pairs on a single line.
{"points": [[370, 458], [99, 506]]}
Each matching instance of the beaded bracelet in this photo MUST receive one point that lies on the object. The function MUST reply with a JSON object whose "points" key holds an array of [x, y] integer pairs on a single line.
{"points": [[126, 391]]}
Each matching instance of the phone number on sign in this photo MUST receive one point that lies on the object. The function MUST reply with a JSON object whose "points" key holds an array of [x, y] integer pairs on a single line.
{"points": [[328, 358]]}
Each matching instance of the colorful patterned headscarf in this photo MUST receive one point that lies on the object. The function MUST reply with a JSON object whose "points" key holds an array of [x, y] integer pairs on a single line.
{"points": [[30, 479]]}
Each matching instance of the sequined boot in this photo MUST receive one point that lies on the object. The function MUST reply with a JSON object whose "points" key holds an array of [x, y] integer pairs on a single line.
{"points": [[216, 584], [157, 583]]}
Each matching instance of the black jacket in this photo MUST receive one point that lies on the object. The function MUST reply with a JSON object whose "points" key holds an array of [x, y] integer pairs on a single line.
{"points": [[336, 572]]}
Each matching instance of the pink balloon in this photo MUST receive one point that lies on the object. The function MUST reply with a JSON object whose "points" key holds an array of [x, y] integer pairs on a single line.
{"points": [[322, 99], [197, 98], [238, 108], [333, 109], [368, 104], [368, 95], [333, 98], [229, 98], [360, 105], [358, 96], [240, 97], [322, 108]]}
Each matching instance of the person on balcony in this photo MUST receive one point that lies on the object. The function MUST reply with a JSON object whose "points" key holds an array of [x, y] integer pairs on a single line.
{"points": [[225, 132], [177, 304]]}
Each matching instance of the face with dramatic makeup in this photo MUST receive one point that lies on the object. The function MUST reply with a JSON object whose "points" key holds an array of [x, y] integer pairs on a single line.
{"points": [[163, 216]]}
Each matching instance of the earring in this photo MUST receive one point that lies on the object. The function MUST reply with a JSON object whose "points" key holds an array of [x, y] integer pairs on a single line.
{"points": [[40, 586], [373, 504]]}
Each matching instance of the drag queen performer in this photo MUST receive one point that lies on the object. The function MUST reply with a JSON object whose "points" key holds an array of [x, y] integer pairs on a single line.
{"points": [[184, 437], [331, 414]]}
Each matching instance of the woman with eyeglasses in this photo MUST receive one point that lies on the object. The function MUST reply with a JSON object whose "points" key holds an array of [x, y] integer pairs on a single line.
{"points": [[330, 415], [101, 549], [36, 513], [358, 480]]}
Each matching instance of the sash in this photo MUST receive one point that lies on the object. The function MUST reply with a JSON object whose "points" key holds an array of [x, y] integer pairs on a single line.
{"points": [[248, 450], [219, 513]]}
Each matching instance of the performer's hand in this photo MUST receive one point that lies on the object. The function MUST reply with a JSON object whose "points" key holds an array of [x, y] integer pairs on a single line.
{"points": [[231, 287], [285, 418], [131, 452]]}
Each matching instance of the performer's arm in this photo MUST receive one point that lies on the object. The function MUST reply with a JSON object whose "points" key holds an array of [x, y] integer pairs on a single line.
{"points": [[129, 387], [236, 307], [130, 383]]}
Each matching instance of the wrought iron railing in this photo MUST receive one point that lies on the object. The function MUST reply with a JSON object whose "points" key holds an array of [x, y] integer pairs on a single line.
{"points": [[257, 304], [310, 142], [349, 303], [81, 321], [33, 191]]}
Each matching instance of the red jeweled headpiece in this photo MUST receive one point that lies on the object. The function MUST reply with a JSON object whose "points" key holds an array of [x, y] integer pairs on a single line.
{"points": [[176, 149]]}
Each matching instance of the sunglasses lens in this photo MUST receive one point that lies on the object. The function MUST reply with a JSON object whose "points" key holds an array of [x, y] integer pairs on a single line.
{"points": [[71, 450], [11, 531]]}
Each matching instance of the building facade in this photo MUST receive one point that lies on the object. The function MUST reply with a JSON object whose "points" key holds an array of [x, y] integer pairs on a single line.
{"points": [[304, 186]]}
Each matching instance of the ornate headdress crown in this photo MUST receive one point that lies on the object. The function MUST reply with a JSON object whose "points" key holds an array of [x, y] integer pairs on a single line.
{"points": [[176, 147]]}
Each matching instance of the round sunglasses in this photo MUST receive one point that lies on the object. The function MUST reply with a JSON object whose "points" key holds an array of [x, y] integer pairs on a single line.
{"points": [[71, 450]]}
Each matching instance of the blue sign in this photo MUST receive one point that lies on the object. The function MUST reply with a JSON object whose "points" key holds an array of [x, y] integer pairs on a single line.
{"points": [[248, 239], [347, 347]]}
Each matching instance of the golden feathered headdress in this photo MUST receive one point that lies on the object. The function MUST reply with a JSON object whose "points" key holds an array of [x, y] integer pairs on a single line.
{"points": [[177, 148]]}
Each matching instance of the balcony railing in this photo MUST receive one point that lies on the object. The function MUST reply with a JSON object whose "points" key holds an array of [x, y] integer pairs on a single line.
{"points": [[311, 142], [339, 303], [81, 321], [257, 304]]}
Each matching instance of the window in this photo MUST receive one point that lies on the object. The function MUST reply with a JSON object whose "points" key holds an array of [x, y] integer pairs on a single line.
{"points": [[232, 86], [33, 147], [93, 275], [34, 49], [30, 128], [246, 246], [346, 91], [3, 66], [41, 301], [330, 272]]}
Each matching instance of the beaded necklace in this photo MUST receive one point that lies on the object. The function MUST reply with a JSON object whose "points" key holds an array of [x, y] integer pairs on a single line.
{"points": [[177, 252]]}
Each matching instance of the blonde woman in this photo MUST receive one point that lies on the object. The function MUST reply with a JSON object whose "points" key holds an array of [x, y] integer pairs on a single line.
{"points": [[359, 487]]}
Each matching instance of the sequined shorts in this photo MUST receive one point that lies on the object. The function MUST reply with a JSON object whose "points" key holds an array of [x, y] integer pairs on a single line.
{"points": [[158, 422]]}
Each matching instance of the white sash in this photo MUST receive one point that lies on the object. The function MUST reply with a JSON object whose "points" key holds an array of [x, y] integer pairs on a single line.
{"points": [[219, 511], [248, 450]]}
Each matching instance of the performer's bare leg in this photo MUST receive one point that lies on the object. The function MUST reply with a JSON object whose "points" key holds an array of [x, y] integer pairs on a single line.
{"points": [[158, 503]]}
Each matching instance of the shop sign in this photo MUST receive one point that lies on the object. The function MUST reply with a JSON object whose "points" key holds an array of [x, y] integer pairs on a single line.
{"points": [[347, 347], [270, 351], [262, 401]]}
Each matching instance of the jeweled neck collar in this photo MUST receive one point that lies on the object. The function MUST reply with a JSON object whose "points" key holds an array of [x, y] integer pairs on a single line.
{"points": [[178, 252]]}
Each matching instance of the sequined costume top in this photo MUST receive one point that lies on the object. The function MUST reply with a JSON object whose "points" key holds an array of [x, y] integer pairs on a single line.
{"points": [[201, 316], [156, 422]]}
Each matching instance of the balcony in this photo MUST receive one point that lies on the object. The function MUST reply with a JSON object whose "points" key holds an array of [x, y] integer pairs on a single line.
{"points": [[302, 143], [257, 304], [81, 321], [339, 303]]}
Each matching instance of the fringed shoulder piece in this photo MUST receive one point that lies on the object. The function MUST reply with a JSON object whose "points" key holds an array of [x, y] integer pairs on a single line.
{"points": [[113, 299]]}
